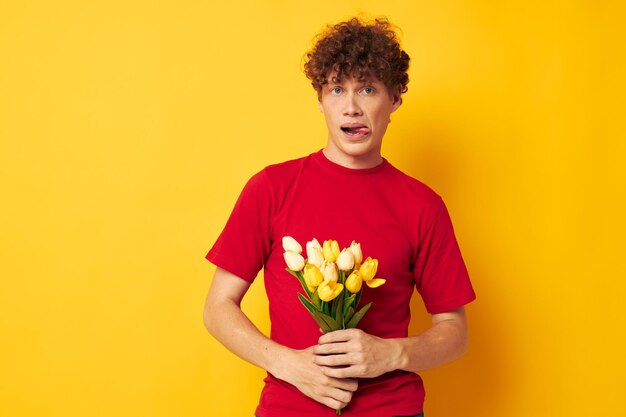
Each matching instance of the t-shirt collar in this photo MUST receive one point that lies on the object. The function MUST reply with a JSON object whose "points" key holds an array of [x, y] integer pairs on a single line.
{"points": [[326, 163]]}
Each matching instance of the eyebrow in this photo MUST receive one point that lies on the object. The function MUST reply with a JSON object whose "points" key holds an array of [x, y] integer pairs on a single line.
{"points": [[336, 80]]}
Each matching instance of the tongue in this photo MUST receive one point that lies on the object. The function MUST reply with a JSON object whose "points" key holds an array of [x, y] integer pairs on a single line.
{"points": [[361, 130]]}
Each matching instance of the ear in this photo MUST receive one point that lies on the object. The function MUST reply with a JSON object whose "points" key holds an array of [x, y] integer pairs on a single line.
{"points": [[319, 103], [396, 99]]}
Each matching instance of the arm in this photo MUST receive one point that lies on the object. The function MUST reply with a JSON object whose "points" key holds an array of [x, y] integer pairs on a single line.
{"points": [[225, 320], [354, 353]]}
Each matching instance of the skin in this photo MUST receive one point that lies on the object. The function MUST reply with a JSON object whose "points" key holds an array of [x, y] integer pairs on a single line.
{"points": [[327, 372], [367, 102], [224, 319]]}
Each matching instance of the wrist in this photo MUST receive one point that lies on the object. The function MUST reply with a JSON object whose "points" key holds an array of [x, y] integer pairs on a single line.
{"points": [[278, 358], [399, 354]]}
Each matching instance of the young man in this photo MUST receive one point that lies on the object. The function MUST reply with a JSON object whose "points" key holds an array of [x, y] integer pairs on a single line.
{"points": [[345, 192]]}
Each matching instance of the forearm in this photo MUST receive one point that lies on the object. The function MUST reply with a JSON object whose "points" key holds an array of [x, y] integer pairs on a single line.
{"points": [[444, 342], [352, 353], [227, 323], [230, 326], [225, 320]]}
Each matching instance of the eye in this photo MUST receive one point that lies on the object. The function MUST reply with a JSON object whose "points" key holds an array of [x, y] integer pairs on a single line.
{"points": [[335, 90], [369, 90]]}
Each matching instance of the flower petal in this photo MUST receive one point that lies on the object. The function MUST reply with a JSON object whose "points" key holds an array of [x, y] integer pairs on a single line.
{"points": [[376, 282]]}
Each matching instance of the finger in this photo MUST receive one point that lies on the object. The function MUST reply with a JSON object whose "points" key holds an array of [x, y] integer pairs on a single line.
{"points": [[331, 348], [341, 396], [333, 403], [334, 360], [346, 384], [341, 373], [338, 336]]}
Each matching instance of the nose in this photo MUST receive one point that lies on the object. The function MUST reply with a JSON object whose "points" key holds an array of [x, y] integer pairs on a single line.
{"points": [[352, 107]]}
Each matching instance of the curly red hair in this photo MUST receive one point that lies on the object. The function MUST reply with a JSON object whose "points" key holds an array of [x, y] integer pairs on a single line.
{"points": [[361, 50]]}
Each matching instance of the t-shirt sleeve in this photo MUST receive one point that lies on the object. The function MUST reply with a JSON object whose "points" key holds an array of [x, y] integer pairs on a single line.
{"points": [[244, 244], [440, 273]]}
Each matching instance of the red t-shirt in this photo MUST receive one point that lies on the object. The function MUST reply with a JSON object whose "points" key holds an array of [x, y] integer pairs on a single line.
{"points": [[396, 219]]}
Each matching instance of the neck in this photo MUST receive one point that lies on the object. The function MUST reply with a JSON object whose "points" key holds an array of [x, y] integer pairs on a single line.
{"points": [[353, 162]]}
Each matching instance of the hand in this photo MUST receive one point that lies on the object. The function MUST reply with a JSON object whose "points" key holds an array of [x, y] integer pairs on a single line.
{"points": [[308, 377], [352, 353]]}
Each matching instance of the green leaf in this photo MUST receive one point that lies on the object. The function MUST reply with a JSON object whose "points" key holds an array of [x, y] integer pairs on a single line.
{"points": [[347, 303], [301, 279], [354, 321], [326, 323], [324, 307], [348, 315], [316, 300], [307, 304], [339, 310], [323, 325], [329, 321], [357, 298], [333, 307]]}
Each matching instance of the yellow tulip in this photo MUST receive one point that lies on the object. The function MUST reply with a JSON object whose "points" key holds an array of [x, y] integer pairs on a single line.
{"points": [[312, 276], [354, 282], [294, 261], [374, 283], [368, 269], [355, 248], [329, 271], [291, 245], [345, 260], [330, 250], [314, 253], [329, 290]]}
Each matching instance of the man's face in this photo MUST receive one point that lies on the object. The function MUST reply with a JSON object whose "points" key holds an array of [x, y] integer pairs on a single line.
{"points": [[357, 114]]}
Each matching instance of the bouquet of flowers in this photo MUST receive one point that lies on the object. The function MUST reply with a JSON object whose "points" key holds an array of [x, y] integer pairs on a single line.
{"points": [[333, 281]]}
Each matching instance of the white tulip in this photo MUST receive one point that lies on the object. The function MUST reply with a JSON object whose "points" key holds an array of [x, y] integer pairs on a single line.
{"points": [[345, 261], [294, 261], [314, 253], [355, 248], [329, 270], [291, 245]]}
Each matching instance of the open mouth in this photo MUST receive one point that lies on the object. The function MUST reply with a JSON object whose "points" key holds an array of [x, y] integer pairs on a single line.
{"points": [[355, 130]]}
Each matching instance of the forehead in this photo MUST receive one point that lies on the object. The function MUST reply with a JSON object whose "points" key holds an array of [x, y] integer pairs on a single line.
{"points": [[336, 78]]}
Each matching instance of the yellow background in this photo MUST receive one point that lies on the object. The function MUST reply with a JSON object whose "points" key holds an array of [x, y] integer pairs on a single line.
{"points": [[128, 128]]}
